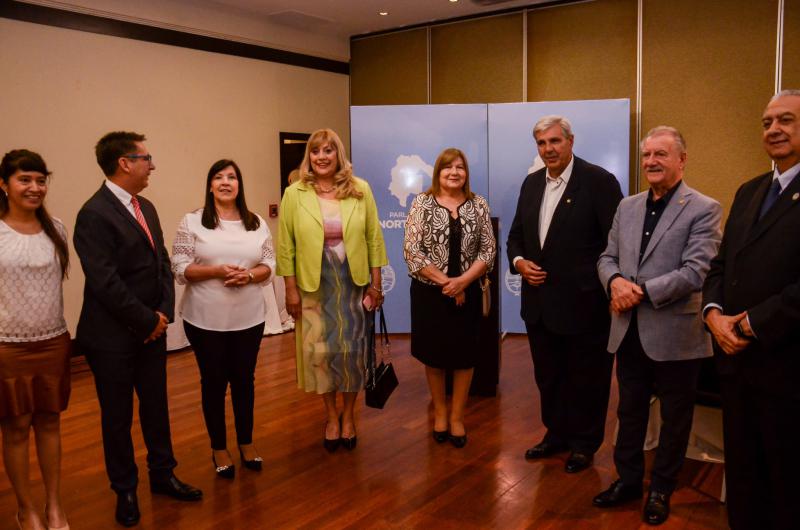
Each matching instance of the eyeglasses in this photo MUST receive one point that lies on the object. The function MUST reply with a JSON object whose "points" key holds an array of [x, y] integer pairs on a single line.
{"points": [[148, 158]]}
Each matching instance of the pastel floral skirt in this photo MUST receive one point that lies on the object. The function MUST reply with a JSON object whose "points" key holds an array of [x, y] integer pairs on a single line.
{"points": [[331, 339]]}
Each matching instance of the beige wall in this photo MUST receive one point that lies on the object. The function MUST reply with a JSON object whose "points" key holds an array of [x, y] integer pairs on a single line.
{"points": [[63, 89]]}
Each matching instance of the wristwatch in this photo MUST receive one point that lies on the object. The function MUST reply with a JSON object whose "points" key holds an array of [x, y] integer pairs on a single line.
{"points": [[252, 276]]}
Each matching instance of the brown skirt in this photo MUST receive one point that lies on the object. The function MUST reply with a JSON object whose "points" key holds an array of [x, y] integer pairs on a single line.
{"points": [[34, 376]]}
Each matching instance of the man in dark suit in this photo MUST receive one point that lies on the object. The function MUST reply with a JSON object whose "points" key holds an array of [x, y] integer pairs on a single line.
{"points": [[128, 301], [560, 228], [751, 301], [658, 254]]}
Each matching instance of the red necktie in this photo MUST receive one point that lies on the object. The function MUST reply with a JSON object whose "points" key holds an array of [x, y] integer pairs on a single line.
{"points": [[140, 218]]}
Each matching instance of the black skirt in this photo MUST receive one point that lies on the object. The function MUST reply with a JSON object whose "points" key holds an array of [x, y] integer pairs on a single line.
{"points": [[444, 335]]}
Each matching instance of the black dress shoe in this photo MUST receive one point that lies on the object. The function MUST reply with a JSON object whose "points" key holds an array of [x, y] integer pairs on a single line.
{"points": [[127, 513], [254, 464], [440, 436], [578, 462], [228, 471], [176, 489], [656, 509], [618, 493], [350, 443], [544, 449], [458, 441]]}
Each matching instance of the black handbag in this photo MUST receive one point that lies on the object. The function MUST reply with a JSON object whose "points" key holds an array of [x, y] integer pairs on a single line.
{"points": [[381, 378]]}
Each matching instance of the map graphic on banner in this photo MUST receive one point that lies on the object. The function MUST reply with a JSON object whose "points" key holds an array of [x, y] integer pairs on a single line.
{"points": [[394, 148]]}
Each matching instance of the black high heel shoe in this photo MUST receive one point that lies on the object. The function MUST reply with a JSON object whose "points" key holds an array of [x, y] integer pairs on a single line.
{"points": [[458, 441], [332, 445], [347, 443], [223, 471], [440, 436], [254, 464], [350, 443]]}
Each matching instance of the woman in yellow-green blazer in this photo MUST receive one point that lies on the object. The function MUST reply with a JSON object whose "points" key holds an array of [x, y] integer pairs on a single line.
{"points": [[330, 251]]}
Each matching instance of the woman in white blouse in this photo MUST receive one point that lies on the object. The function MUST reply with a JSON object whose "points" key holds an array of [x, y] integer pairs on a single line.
{"points": [[223, 252], [34, 343]]}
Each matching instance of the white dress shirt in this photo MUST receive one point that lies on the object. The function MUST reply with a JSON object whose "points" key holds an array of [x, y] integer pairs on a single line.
{"points": [[553, 191], [123, 196]]}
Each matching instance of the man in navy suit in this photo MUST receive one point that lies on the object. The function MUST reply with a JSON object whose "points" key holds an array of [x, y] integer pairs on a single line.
{"points": [[751, 301], [129, 299], [560, 228]]}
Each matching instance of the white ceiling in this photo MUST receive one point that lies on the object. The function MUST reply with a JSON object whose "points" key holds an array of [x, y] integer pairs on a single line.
{"points": [[344, 18]]}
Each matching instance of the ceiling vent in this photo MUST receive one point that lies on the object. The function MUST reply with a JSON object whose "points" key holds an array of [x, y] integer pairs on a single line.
{"points": [[298, 20], [489, 2]]}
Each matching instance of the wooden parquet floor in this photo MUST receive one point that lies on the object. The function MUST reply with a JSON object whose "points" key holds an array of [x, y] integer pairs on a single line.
{"points": [[397, 477]]}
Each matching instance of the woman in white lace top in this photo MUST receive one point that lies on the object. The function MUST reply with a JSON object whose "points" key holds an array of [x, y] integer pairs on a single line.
{"points": [[34, 343], [223, 252]]}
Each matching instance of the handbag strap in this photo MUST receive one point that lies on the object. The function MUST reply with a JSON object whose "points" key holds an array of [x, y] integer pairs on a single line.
{"points": [[386, 356]]}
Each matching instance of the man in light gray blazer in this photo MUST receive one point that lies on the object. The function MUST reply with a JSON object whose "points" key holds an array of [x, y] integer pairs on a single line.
{"points": [[659, 251]]}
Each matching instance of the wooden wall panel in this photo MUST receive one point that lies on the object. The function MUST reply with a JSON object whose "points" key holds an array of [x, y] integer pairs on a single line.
{"points": [[582, 51], [708, 69], [585, 51], [791, 44], [390, 69], [477, 61]]}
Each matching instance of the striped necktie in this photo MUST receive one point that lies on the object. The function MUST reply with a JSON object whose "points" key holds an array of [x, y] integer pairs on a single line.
{"points": [[140, 219]]}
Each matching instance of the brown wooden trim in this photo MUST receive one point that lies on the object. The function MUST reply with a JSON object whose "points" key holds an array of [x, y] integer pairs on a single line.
{"points": [[62, 18], [432, 23]]}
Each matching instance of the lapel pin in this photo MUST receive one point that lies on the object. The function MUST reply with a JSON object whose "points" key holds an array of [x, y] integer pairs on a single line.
{"points": [[796, 196], [570, 200]]}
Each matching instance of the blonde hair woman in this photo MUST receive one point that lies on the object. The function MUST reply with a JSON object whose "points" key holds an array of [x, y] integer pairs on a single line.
{"points": [[330, 251]]}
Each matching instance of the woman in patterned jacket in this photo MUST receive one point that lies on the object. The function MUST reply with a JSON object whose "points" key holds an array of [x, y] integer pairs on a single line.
{"points": [[448, 246]]}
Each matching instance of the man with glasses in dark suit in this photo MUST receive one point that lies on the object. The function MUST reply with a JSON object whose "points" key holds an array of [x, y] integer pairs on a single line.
{"points": [[128, 302], [751, 301]]}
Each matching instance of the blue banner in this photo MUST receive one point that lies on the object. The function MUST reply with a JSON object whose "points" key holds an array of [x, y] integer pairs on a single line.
{"points": [[602, 135], [394, 148]]}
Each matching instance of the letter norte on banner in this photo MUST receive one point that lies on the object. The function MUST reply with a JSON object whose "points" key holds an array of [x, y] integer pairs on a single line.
{"points": [[393, 223]]}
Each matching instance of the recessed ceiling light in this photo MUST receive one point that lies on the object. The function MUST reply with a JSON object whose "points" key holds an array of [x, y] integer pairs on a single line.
{"points": [[453, 1], [383, 13]]}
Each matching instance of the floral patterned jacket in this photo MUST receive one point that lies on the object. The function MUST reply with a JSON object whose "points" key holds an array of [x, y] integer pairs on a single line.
{"points": [[427, 235]]}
